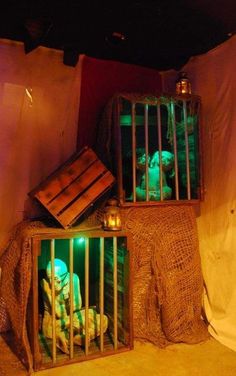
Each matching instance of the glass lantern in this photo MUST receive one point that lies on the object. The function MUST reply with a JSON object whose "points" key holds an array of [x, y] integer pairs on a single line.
{"points": [[183, 85], [112, 217]]}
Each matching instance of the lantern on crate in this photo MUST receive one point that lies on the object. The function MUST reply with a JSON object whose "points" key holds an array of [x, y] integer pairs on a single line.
{"points": [[183, 85], [112, 217]]}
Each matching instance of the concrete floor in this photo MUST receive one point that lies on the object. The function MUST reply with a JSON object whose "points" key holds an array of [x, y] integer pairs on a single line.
{"points": [[206, 359]]}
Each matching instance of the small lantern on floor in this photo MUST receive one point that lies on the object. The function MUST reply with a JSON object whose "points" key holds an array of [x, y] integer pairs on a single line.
{"points": [[183, 85], [112, 217]]}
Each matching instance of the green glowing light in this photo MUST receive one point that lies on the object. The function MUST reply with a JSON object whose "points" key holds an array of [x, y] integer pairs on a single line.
{"points": [[80, 240]]}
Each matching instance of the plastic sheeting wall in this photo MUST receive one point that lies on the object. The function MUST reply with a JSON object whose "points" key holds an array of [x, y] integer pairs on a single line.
{"points": [[213, 77], [39, 105]]}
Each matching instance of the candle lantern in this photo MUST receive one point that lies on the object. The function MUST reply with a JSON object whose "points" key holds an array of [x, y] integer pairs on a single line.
{"points": [[183, 85], [112, 217]]}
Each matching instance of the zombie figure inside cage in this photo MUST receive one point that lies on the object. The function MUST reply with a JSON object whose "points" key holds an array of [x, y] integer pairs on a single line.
{"points": [[62, 303], [154, 177]]}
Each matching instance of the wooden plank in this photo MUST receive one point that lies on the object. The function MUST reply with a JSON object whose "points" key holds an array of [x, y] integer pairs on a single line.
{"points": [[68, 216], [53, 185], [37, 356], [67, 195]]}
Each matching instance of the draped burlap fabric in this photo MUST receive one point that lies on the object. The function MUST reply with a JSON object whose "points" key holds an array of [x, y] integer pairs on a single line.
{"points": [[15, 285], [167, 277]]}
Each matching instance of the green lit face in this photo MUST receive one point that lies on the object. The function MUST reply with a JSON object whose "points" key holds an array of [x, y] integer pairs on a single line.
{"points": [[167, 160], [60, 274]]}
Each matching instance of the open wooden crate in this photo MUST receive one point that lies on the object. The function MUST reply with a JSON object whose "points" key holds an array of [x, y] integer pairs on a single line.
{"points": [[103, 265], [74, 187]]}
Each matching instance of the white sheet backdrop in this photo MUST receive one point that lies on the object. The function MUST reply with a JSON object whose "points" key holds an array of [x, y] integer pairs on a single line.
{"points": [[39, 105], [213, 77], [39, 102]]}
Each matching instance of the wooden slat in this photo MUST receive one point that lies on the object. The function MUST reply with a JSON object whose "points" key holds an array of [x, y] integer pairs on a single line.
{"points": [[159, 128], [71, 213], [54, 350], [71, 258], [86, 282], [33, 325], [51, 187], [101, 293], [172, 110], [187, 150], [146, 125], [134, 152], [76, 187], [115, 295]]}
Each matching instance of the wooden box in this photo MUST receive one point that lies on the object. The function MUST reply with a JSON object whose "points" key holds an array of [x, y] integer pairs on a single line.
{"points": [[74, 187], [156, 147], [102, 262]]}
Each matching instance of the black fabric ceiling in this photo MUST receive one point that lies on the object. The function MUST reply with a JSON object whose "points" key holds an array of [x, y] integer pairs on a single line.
{"points": [[160, 34]]}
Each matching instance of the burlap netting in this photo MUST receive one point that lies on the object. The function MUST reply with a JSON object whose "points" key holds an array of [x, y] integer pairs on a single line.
{"points": [[4, 319], [15, 263], [167, 277], [166, 281]]}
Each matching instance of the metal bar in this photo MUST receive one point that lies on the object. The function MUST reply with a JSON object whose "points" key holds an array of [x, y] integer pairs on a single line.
{"points": [[146, 150], [52, 253], [101, 295], [133, 151], [173, 123], [187, 149], [86, 296], [115, 296], [71, 268], [160, 149]]}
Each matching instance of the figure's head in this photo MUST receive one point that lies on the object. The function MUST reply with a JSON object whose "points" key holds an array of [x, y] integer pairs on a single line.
{"points": [[167, 159], [141, 158], [141, 155], [60, 274]]}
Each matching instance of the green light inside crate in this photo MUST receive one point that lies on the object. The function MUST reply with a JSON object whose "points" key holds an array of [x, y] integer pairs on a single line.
{"points": [[80, 240]]}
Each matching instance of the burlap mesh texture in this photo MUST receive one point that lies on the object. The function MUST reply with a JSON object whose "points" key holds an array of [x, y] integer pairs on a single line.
{"points": [[4, 319]]}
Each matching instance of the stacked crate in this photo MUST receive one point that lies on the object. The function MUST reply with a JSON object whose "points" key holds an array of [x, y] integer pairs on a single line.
{"points": [[74, 187]]}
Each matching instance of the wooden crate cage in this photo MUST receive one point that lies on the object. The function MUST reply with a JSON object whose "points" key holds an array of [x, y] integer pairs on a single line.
{"points": [[101, 260], [156, 141]]}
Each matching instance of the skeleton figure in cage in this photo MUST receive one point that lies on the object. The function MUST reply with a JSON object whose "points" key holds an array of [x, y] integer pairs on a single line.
{"points": [[154, 176], [62, 309]]}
